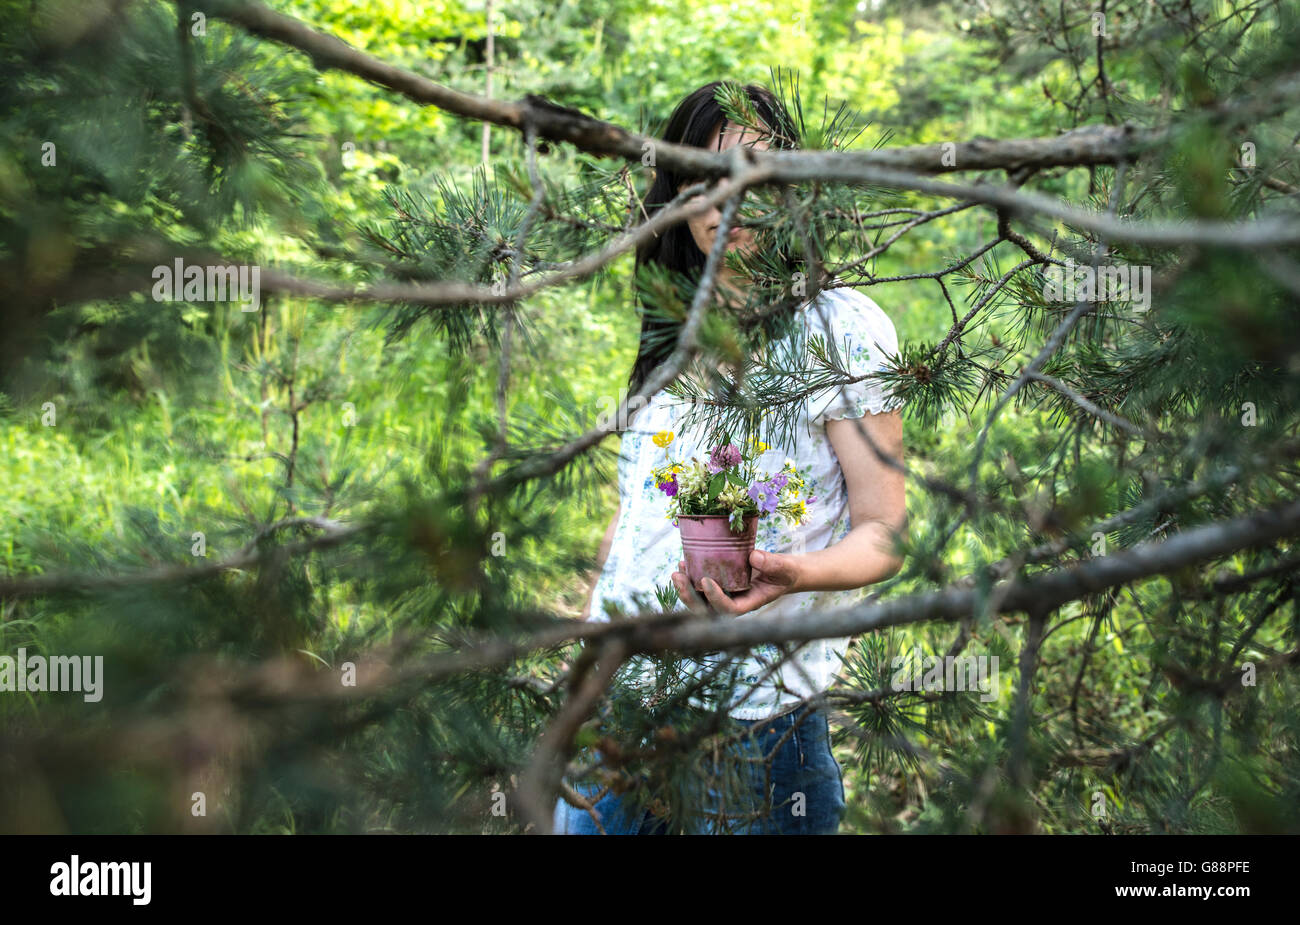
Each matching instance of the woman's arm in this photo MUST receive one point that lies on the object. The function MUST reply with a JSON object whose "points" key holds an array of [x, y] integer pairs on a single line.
{"points": [[877, 508], [601, 557]]}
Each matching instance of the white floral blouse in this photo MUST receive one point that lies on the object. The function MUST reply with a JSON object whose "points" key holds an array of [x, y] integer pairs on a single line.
{"points": [[647, 547]]}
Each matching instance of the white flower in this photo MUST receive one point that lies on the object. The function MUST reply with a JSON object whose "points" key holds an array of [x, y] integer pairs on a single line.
{"points": [[732, 496], [693, 479]]}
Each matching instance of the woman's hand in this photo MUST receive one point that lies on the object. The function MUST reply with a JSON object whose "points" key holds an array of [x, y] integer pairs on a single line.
{"points": [[774, 574]]}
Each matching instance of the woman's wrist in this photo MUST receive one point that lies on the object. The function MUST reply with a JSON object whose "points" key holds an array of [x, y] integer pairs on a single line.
{"points": [[785, 569], [857, 560], [799, 566]]}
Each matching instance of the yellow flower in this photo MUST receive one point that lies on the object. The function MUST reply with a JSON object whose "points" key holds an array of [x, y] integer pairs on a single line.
{"points": [[663, 438]]}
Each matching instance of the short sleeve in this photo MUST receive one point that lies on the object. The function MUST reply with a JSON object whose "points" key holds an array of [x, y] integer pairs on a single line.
{"points": [[864, 338]]}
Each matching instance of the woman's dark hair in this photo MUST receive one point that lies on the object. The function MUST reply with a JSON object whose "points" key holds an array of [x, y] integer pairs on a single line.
{"points": [[691, 123]]}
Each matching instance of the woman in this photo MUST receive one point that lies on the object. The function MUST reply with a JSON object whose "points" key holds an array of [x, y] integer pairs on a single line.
{"points": [[844, 544]]}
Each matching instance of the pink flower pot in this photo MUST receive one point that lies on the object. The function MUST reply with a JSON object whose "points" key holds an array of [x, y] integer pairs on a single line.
{"points": [[712, 550]]}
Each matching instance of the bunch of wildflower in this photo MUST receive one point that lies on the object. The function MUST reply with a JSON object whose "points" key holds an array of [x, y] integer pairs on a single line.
{"points": [[728, 484]]}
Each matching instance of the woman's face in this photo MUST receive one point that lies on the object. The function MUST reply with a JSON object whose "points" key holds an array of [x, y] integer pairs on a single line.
{"points": [[704, 226]]}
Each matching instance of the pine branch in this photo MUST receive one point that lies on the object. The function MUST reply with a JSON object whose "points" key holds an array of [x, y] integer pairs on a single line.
{"points": [[1082, 147], [682, 632]]}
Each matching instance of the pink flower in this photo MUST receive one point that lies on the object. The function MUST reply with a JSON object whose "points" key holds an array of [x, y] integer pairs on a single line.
{"points": [[724, 457]]}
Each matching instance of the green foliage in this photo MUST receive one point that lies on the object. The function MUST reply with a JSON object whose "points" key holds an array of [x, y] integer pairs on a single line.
{"points": [[342, 443]]}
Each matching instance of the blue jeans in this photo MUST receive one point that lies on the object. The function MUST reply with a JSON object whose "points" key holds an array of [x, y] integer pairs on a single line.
{"points": [[805, 795]]}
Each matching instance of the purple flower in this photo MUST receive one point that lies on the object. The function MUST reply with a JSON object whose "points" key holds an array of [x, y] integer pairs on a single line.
{"points": [[724, 457], [812, 498], [779, 480], [669, 487], [763, 495]]}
